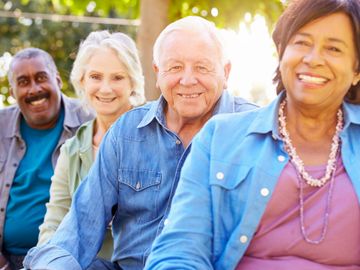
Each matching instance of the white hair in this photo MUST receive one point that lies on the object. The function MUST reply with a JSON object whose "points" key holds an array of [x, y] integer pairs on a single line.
{"points": [[127, 52], [191, 23]]}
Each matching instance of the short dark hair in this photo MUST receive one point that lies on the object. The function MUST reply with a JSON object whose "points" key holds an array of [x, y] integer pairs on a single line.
{"points": [[300, 13], [29, 53]]}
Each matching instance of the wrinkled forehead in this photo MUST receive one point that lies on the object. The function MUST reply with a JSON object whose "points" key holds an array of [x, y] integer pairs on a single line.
{"points": [[183, 43], [35, 64]]}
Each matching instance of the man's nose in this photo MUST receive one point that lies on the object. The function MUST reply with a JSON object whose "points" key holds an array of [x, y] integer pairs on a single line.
{"points": [[34, 87], [188, 77]]}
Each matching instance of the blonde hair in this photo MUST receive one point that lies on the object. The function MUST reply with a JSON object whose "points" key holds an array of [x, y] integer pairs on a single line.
{"points": [[127, 52]]}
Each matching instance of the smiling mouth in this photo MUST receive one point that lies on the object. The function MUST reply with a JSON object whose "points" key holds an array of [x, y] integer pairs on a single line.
{"points": [[38, 102], [105, 100], [38, 99], [190, 95], [312, 79]]}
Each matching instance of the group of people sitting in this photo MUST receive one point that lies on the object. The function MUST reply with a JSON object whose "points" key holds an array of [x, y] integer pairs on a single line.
{"points": [[109, 181]]}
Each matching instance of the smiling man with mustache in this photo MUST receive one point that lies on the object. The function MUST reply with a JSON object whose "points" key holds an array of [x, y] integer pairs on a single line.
{"points": [[31, 133]]}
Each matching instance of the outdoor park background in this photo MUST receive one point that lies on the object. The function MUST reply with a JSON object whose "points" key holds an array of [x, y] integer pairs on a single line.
{"points": [[58, 26]]}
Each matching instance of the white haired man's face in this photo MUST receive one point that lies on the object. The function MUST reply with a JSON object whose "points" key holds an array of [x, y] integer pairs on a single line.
{"points": [[190, 74]]}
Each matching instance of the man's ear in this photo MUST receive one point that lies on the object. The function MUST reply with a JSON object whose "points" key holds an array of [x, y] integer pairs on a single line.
{"points": [[59, 80], [156, 70], [11, 91], [227, 69]]}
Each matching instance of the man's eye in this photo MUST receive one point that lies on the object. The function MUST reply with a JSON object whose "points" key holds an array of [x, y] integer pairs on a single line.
{"points": [[41, 78], [175, 68], [22, 82], [202, 69]]}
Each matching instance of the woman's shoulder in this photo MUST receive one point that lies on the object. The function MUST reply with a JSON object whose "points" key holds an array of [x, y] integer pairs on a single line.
{"points": [[82, 138]]}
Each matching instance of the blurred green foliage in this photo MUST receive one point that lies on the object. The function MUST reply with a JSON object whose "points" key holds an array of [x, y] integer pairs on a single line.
{"points": [[61, 39]]}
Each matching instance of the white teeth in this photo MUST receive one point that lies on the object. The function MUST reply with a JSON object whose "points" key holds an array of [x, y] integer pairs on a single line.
{"points": [[38, 102], [311, 79], [105, 100], [190, 96]]}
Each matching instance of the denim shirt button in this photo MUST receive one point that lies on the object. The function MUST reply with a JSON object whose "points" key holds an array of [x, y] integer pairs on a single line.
{"points": [[220, 176], [138, 185], [166, 222], [281, 158], [243, 239], [178, 142], [264, 192]]}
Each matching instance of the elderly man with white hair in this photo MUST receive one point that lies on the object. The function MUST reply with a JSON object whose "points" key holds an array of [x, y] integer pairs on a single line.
{"points": [[137, 169]]}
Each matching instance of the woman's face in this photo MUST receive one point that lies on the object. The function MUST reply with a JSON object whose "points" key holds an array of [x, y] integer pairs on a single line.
{"points": [[320, 61], [107, 84]]}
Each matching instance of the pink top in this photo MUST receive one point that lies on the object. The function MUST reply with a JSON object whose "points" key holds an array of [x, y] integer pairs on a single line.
{"points": [[278, 242]]}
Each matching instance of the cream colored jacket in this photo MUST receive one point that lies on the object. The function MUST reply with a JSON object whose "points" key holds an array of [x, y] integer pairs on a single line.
{"points": [[74, 162]]}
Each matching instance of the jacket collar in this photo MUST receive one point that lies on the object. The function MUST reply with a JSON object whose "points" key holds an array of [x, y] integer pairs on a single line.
{"points": [[225, 104], [351, 114], [267, 118], [71, 117], [73, 112], [85, 135]]}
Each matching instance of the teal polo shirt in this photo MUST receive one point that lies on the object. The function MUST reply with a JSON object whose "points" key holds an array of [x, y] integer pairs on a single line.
{"points": [[30, 189]]}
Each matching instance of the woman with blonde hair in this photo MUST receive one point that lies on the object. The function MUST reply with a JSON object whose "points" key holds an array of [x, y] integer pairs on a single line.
{"points": [[107, 76]]}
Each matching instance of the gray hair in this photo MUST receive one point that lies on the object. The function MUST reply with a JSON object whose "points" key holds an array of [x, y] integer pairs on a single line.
{"points": [[30, 53], [127, 52], [191, 23]]}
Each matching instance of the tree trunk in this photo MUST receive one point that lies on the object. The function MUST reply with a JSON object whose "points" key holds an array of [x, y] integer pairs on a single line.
{"points": [[154, 17]]}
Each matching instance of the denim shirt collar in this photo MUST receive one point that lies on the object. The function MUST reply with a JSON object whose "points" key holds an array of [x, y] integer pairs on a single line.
{"points": [[156, 111], [351, 114], [267, 119], [157, 107]]}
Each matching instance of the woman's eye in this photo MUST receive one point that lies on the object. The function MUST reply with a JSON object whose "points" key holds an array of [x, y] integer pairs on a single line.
{"points": [[302, 43], [118, 78], [95, 77], [334, 49]]}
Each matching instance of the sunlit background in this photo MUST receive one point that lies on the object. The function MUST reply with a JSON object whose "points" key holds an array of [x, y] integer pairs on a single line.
{"points": [[254, 60], [250, 48]]}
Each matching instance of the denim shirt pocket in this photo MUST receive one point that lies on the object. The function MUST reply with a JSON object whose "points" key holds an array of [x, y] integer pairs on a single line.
{"points": [[139, 193], [229, 184], [228, 176]]}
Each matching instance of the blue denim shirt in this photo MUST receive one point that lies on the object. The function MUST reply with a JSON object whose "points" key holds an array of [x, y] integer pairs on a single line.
{"points": [[225, 186], [132, 182]]}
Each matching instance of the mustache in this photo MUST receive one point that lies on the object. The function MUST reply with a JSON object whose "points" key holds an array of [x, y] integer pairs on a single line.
{"points": [[36, 97]]}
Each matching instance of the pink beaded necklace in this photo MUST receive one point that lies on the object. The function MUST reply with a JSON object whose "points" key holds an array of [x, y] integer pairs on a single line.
{"points": [[298, 164]]}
